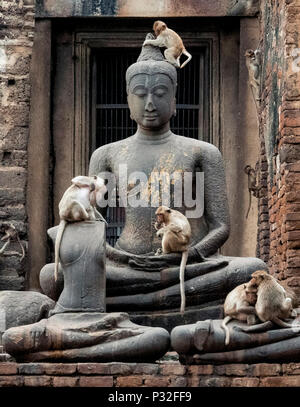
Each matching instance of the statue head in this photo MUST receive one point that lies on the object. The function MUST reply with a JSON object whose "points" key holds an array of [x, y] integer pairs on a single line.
{"points": [[151, 89]]}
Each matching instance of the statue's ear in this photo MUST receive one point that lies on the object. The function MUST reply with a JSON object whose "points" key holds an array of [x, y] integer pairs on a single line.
{"points": [[81, 181]]}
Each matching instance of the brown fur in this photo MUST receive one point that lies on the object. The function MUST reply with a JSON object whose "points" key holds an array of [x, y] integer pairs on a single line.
{"points": [[78, 204], [165, 37], [272, 303], [175, 230], [239, 304]]}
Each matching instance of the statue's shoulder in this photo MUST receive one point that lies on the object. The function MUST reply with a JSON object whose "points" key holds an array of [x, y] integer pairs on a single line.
{"points": [[111, 148], [203, 147]]}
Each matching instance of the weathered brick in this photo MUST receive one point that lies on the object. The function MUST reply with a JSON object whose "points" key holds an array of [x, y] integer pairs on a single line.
{"points": [[59, 368], [15, 115], [172, 369], [193, 381], [293, 235], [156, 381], [200, 369], [281, 381], [178, 382], [231, 370], [122, 368], [31, 368], [291, 369], [16, 138], [15, 176], [65, 381], [96, 381], [8, 368], [214, 382], [11, 381], [145, 368], [37, 381], [94, 368], [266, 369], [244, 382], [129, 381], [294, 216]]}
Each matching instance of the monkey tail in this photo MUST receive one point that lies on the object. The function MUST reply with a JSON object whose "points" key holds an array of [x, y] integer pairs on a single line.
{"points": [[187, 54], [226, 329], [181, 278], [283, 324], [249, 206], [60, 232]]}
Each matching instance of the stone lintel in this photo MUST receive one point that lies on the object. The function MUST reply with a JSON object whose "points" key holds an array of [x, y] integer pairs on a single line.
{"points": [[145, 8]]}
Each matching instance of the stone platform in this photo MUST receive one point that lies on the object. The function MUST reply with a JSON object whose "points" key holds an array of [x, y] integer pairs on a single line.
{"points": [[161, 374]]}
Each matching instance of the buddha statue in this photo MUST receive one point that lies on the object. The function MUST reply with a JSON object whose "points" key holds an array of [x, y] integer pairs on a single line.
{"points": [[137, 279]]}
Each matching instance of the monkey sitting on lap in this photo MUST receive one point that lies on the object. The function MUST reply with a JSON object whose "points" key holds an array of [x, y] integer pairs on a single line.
{"points": [[176, 232]]}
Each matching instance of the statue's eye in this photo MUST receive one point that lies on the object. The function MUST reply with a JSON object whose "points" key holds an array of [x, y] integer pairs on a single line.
{"points": [[140, 92], [159, 92]]}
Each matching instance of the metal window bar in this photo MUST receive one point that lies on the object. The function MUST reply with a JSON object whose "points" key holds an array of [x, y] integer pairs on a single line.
{"points": [[111, 115]]}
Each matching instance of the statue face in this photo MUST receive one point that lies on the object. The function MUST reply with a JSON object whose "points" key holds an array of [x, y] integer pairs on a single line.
{"points": [[151, 100]]}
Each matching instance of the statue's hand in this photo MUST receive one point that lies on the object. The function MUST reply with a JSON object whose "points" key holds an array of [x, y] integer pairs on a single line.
{"points": [[195, 255], [155, 263]]}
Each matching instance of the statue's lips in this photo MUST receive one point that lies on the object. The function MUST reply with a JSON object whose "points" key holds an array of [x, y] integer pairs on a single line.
{"points": [[152, 117]]}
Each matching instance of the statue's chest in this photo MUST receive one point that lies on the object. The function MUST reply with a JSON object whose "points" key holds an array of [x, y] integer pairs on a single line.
{"points": [[149, 159]]}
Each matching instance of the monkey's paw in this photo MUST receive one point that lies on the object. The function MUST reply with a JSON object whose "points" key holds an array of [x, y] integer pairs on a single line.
{"points": [[158, 252], [159, 233]]}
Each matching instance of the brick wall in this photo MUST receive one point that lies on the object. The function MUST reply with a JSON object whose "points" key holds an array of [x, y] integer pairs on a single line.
{"points": [[279, 241], [165, 374], [16, 41]]}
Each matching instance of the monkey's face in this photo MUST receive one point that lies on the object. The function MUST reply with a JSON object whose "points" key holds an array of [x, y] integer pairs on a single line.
{"points": [[251, 297], [250, 54], [162, 214], [258, 277], [158, 27], [160, 219], [151, 100]]}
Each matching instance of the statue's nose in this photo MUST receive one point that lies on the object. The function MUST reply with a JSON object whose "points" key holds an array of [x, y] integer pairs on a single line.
{"points": [[150, 106]]}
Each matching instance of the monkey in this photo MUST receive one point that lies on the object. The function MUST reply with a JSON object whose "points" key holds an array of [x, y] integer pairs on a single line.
{"points": [[78, 204], [11, 234], [165, 37], [176, 232], [252, 185], [290, 293], [253, 63], [272, 304], [239, 304]]}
